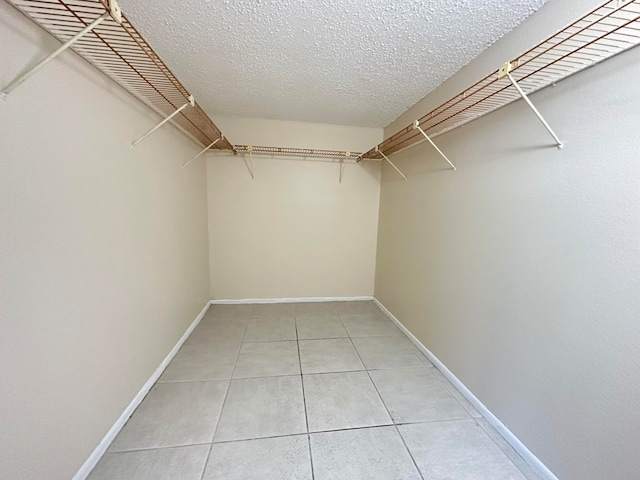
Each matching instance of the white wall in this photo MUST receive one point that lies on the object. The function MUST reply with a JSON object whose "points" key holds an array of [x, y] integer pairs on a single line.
{"points": [[521, 270], [294, 230], [103, 253]]}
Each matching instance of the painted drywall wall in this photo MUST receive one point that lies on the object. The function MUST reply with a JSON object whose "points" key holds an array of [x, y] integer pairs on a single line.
{"points": [[294, 230], [520, 271], [103, 253]]}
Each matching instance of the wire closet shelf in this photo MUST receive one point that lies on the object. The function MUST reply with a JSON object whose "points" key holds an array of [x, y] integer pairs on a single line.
{"points": [[602, 33], [121, 53], [308, 153]]}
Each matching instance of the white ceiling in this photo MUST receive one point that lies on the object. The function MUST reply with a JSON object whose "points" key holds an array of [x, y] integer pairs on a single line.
{"points": [[348, 62]]}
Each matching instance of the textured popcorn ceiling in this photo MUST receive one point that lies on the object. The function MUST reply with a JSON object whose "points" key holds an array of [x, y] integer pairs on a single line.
{"points": [[350, 62]]}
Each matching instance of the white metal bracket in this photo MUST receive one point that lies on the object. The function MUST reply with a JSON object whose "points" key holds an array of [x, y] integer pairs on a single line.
{"points": [[202, 152], [250, 164], [505, 71], [342, 163], [416, 124], [390, 162], [113, 12], [191, 102]]}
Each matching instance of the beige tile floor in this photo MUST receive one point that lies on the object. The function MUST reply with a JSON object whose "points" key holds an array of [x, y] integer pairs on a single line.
{"points": [[305, 391]]}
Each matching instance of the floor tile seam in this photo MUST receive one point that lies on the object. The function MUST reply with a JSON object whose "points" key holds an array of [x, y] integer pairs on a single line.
{"points": [[457, 420], [267, 341], [525, 476], [168, 382], [313, 473], [304, 398], [318, 432], [448, 386], [415, 464], [224, 402], [334, 371], [272, 341], [303, 433], [304, 402], [160, 447], [374, 384], [390, 416], [268, 437], [323, 338]]}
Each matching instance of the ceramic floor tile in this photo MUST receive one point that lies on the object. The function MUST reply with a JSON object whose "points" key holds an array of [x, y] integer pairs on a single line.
{"points": [[362, 454], [196, 362], [320, 326], [262, 407], [342, 400], [354, 307], [263, 459], [369, 325], [457, 449], [219, 311], [272, 310], [414, 395], [508, 450], [218, 332], [329, 355], [386, 352], [185, 463], [174, 414], [306, 309], [456, 393], [270, 330], [267, 359]]}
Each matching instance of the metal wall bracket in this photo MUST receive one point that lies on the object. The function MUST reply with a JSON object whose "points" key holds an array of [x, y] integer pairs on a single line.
{"points": [[191, 102], [390, 162], [114, 12], [250, 164], [342, 163], [202, 152], [416, 124], [505, 71]]}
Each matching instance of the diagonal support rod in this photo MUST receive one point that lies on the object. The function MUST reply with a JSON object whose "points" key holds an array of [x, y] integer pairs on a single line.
{"points": [[416, 124], [202, 152], [390, 163], [342, 163], [535, 111], [25, 76], [190, 102], [250, 164]]}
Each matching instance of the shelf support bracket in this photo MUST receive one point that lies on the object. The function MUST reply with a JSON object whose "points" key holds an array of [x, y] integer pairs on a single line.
{"points": [[390, 162], [342, 163], [416, 124], [114, 12], [202, 152], [505, 71], [190, 102], [250, 164]]}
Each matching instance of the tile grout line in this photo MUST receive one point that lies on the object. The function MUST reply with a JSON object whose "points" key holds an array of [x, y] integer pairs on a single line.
{"points": [[304, 398], [525, 475], [395, 426], [226, 395]]}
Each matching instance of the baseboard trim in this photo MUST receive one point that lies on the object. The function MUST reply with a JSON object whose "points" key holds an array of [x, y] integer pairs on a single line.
{"points": [[540, 468], [102, 447], [292, 300]]}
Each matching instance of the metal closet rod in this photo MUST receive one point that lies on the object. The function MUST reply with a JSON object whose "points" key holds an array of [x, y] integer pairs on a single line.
{"points": [[604, 32]]}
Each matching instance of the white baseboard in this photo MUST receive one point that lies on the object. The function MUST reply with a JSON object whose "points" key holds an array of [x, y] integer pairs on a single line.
{"points": [[540, 468], [102, 447], [292, 300]]}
